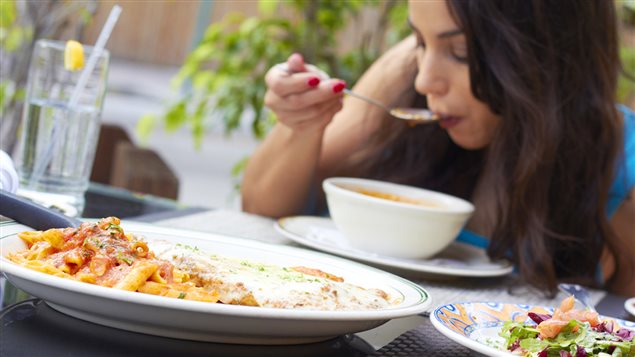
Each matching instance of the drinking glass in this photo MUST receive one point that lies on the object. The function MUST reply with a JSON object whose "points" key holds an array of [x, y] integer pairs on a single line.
{"points": [[57, 144]]}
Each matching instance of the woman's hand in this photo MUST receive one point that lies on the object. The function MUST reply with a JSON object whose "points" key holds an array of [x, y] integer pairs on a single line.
{"points": [[298, 153], [302, 97], [280, 174]]}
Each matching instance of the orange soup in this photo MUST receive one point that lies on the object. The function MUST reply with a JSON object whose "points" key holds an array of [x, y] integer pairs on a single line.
{"points": [[397, 198]]}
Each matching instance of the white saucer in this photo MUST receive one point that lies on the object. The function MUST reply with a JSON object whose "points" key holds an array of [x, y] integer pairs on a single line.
{"points": [[458, 259], [629, 306]]}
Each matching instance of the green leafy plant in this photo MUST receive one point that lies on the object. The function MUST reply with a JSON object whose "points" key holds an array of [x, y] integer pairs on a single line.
{"points": [[223, 76], [12, 36], [222, 79], [626, 82]]}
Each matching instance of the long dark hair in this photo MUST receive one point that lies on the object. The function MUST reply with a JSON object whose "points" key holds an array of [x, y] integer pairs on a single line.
{"points": [[549, 68]]}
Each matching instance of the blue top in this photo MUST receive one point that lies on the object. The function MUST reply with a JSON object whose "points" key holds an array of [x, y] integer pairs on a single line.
{"points": [[622, 185]]}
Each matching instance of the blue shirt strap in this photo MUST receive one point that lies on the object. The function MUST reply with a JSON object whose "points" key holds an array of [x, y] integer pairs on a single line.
{"points": [[473, 239], [625, 171]]}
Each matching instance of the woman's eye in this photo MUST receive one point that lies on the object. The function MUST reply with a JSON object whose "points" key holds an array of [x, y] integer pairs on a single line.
{"points": [[459, 57], [459, 53]]}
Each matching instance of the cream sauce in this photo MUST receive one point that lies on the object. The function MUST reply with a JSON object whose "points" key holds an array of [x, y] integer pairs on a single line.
{"points": [[248, 282]]}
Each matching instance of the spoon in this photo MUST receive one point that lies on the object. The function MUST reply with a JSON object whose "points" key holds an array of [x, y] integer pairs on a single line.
{"points": [[33, 215], [579, 293], [412, 115]]}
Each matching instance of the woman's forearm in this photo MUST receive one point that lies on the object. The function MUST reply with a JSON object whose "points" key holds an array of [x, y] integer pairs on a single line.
{"points": [[279, 176]]}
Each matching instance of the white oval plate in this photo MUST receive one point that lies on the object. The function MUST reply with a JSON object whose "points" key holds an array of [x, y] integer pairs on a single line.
{"points": [[193, 320], [629, 306], [476, 325], [458, 259]]}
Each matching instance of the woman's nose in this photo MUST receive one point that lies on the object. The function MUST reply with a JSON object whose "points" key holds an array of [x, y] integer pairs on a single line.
{"points": [[431, 79]]}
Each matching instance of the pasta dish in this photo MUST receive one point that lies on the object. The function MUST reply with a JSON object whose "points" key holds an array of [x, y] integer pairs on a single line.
{"points": [[103, 254]]}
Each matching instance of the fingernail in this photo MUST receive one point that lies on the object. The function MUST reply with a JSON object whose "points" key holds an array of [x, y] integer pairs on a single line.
{"points": [[339, 86], [313, 81]]}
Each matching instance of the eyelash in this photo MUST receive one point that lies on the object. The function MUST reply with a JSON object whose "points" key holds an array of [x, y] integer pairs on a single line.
{"points": [[461, 59], [421, 45]]}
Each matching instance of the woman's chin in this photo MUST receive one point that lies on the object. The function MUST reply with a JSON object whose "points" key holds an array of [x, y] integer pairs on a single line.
{"points": [[467, 142]]}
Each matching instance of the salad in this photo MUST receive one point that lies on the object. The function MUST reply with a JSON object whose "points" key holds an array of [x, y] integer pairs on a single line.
{"points": [[568, 333]]}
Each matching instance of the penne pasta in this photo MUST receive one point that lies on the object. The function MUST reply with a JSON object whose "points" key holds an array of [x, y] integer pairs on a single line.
{"points": [[140, 248], [101, 253], [179, 291], [140, 272]]}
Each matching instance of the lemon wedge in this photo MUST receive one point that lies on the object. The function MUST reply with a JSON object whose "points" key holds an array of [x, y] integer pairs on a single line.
{"points": [[73, 56]]}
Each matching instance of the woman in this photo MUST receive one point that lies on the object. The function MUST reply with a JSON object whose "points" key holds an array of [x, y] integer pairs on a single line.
{"points": [[530, 133]]}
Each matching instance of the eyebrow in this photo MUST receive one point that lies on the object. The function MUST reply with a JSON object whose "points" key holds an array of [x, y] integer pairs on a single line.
{"points": [[444, 34]]}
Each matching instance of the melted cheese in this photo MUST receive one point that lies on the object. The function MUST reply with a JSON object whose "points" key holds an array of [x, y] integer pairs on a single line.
{"points": [[252, 283]]}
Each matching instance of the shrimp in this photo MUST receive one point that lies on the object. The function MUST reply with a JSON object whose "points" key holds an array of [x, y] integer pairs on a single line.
{"points": [[563, 315], [551, 328]]}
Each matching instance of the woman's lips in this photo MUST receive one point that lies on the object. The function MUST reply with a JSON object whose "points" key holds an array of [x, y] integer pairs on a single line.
{"points": [[447, 122]]}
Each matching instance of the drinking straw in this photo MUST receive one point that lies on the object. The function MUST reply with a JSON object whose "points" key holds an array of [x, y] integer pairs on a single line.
{"points": [[41, 164]]}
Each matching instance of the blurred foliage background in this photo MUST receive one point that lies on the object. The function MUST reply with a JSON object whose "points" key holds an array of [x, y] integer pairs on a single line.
{"points": [[626, 85], [221, 81], [223, 77]]}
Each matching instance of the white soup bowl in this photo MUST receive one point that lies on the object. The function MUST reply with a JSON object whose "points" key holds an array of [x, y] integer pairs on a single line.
{"points": [[395, 220]]}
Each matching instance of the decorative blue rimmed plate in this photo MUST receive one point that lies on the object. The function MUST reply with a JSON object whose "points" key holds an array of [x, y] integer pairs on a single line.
{"points": [[629, 305], [476, 325]]}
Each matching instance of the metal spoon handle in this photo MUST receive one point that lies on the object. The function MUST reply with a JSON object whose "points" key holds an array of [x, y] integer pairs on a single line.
{"points": [[370, 100], [419, 116], [285, 68]]}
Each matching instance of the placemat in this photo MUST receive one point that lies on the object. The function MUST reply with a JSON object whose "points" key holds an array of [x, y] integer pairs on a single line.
{"points": [[424, 340]]}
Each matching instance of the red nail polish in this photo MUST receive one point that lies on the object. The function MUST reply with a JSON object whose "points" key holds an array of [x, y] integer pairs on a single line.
{"points": [[339, 87], [313, 81]]}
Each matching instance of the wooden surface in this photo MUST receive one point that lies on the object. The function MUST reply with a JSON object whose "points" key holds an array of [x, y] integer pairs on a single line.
{"points": [[142, 170], [109, 136], [159, 31], [120, 163]]}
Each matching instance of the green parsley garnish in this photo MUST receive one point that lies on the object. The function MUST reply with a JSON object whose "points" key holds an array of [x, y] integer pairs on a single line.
{"points": [[95, 241], [187, 247], [124, 259], [115, 227]]}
